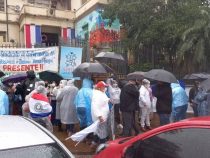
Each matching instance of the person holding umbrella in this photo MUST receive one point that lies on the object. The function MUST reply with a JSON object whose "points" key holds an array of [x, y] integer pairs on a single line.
{"points": [[192, 93], [129, 103], [145, 103], [28, 85], [179, 103], [162, 91]]}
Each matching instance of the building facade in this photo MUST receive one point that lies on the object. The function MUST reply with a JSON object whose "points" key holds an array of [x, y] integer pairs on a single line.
{"points": [[31, 23], [36, 22]]}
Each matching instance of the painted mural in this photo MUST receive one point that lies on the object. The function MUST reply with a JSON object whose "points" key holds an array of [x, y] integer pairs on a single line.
{"points": [[97, 29]]}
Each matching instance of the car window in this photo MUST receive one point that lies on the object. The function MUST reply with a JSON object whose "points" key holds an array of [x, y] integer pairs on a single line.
{"points": [[39, 151], [182, 143]]}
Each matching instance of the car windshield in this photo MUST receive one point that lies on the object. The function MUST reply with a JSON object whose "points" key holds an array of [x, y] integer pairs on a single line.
{"points": [[42, 151]]}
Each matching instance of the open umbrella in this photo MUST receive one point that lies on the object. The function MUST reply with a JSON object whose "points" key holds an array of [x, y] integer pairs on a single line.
{"points": [[86, 69], [161, 75], [15, 78], [50, 76], [205, 84], [196, 76], [107, 56], [138, 75]]}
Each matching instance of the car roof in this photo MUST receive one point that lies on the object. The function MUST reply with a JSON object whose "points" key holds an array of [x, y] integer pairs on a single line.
{"points": [[17, 131], [195, 122]]}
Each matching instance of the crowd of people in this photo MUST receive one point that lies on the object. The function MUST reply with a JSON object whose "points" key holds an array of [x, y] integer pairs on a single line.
{"points": [[59, 104]]}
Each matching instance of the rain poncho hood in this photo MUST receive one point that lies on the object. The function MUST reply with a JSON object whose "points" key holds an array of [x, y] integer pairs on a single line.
{"points": [[83, 100], [87, 83], [70, 83], [179, 96]]}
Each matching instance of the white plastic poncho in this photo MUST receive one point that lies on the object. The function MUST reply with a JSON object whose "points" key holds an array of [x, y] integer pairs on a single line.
{"points": [[99, 105]]}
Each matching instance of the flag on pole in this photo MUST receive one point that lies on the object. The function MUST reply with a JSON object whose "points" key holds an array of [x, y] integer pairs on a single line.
{"points": [[32, 35]]}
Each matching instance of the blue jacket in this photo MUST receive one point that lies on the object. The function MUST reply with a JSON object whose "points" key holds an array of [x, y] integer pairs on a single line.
{"points": [[179, 96], [4, 103], [83, 100]]}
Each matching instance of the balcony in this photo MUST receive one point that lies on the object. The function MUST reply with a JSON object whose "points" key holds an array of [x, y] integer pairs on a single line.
{"points": [[47, 12], [41, 11], [32, 14], [88, 5]]}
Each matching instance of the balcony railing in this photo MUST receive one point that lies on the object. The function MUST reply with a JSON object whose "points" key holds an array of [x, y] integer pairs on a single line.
{"points": [[47, 12]]}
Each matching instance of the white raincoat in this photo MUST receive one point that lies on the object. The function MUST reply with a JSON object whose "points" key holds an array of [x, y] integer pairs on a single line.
{"points": [[67, 95]]}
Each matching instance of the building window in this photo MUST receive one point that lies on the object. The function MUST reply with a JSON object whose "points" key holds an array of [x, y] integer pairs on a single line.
{"points": [[2, 36], [2, 7], [44, 3]]}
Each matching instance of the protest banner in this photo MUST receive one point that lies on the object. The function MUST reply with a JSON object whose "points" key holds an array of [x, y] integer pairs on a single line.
{"points": [[71, 57], [13, 60]]}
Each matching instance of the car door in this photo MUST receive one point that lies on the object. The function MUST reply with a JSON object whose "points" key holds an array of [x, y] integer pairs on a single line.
{"points": [[179, 143]]}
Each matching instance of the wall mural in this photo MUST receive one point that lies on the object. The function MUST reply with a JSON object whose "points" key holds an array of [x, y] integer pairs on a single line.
{"points": [[97, 29]]}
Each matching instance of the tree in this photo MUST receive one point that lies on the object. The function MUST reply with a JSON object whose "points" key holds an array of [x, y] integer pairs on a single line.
{"points": [[195, 44], [164, 26]]}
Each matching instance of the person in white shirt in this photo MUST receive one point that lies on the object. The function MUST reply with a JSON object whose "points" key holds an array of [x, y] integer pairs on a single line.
{"points": [[114, 93], [145, 103], [100, 111]]}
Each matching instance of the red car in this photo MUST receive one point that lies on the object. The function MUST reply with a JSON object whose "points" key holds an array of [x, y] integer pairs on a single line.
{"points": [[189, 138]]}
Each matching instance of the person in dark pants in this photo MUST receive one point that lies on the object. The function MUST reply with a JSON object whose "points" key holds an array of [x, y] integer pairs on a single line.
{"points": [[192, 93], [53, 101], [163, 93], [129, 100], [25, 88]]}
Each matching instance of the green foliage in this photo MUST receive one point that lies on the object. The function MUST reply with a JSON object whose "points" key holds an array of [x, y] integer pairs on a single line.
{"points": [[140, 67], [177, 27]]}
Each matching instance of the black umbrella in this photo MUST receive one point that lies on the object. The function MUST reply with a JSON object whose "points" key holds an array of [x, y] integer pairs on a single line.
{"points": [[161, 75], [86, 69], [205, 84], [138, 75], [15, 78], [50, 76], [2, 74], [195, 76], [107, 56]]}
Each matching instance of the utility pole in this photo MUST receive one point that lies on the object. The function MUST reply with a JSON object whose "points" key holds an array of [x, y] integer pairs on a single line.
{"points": [[7, 21]]}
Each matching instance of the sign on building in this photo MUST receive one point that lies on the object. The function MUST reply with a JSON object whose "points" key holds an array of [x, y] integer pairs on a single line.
{"points": [[71, 57]]}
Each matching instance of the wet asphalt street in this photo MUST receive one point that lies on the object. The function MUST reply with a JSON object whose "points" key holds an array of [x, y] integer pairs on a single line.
{"points": [[83, 150]]}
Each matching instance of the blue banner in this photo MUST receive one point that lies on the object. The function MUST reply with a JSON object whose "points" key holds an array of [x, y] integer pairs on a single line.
{"points": [[71, 57]]}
